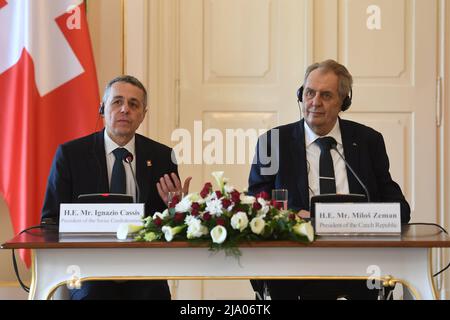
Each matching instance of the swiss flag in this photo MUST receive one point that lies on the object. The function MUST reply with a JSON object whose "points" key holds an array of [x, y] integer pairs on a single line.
{"points": [[48, 95]]}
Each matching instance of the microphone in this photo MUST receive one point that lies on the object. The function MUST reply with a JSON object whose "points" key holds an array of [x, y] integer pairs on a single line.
{"points": [[334, 147], [128, 158]]}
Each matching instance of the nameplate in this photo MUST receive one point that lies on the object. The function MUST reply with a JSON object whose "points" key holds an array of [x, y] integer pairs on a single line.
{"points": [[96, 218], [357, 218]]}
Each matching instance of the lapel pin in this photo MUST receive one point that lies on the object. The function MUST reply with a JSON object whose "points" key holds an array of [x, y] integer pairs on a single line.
{"points": [[149, 163]]}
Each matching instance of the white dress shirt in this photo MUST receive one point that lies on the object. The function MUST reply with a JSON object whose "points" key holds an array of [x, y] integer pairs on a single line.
{"points": [[110, 146], [313, 157]]}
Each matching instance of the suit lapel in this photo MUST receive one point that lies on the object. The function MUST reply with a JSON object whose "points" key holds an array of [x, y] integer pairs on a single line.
{"points": [[351, 153], [99, 162], [143, 171], [298, 154]]}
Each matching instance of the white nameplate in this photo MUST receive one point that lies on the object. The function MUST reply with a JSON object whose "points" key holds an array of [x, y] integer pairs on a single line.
{"points": [[357, 218], [98, 217]]}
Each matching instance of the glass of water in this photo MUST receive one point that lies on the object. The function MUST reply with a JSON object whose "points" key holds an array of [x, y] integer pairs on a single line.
{"points": [[280, 198], [173, 197]]}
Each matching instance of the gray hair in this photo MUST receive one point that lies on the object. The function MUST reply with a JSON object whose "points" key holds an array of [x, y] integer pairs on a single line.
{"points": [[345, 79], [127, 79]]}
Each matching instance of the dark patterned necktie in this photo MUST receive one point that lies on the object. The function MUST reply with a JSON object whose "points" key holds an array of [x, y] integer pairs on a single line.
{"points": [[326, 168], [118, 177]]}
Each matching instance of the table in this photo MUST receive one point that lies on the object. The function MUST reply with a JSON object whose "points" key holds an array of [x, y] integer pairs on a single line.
{"points": [[404, 259]]}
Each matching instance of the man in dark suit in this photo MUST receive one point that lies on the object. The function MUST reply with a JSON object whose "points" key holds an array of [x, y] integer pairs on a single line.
{"points": [[295, 153], [87, 165]]}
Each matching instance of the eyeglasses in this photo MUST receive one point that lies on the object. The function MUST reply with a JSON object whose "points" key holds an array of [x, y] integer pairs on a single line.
{"points": [[324, 95]]}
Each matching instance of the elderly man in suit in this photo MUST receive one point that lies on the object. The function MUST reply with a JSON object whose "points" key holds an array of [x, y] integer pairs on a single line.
{"points": [[92, 164], [305, 151]]}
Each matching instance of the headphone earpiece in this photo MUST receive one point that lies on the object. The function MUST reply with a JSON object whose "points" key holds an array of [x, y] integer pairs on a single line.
{"points": [[300, 94], [347, 101], [101, 110], [345, 104]]}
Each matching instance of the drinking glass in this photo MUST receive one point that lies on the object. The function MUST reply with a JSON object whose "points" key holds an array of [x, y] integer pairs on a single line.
{"points": [[280, 198], [173, 194]]}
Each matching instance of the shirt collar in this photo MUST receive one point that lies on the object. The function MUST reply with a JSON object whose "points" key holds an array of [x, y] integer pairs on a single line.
{"points": [[110, 145], [311, 136]]}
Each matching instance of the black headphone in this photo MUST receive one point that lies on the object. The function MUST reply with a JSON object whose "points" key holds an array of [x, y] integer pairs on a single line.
{"points": [[345, 104], [101, 110]]}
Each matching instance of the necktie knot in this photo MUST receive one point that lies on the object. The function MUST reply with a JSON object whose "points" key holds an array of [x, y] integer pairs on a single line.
{"points": [[326, 143], [120, 153]]}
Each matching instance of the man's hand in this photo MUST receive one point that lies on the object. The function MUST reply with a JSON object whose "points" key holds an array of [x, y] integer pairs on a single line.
{"points": [[171, 183], [304, 214]]}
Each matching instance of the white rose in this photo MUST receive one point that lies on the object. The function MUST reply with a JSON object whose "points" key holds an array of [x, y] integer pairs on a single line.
{"points": [[239, 221], [247, 199], [257, 225], [305, 229], [262, 202], [184, 205], [264, 208], [218, 234], [196, 229]]}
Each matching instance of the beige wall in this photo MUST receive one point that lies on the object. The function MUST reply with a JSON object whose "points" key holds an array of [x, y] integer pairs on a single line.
{"points": [[105, 23], [445, 142], [7, 276], [106, 27]]}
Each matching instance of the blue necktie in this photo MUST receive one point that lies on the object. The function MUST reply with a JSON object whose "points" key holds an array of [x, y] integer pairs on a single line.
{"points": [[326, 167], [118, 177]]}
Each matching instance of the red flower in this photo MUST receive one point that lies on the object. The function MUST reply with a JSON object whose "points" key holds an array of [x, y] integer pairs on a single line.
{"points": [[257, 206], [206, 216], [206, 189], [219, 194], [220, 222], [235, 196], [157, 222], [195, 209], [263, 195], [207, 185], [179, 217], [226, 203], [174, 202], [292, 217], [276, 204], [204, 193], [195, 206]]}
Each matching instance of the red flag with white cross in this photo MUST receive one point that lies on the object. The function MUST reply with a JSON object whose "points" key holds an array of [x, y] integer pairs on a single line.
{"points": [[48, 95]]}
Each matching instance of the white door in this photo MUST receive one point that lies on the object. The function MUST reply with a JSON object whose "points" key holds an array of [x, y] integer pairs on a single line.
{"points": [[393, 62], [240, 62]]}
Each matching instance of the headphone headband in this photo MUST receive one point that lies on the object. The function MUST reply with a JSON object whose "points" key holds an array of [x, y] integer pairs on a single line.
{"points": [[101, 110]]}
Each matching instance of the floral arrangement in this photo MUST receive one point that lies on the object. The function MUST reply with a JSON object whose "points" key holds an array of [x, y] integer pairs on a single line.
{"points": [[224, 217]]}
